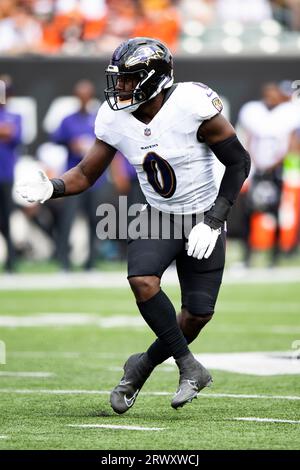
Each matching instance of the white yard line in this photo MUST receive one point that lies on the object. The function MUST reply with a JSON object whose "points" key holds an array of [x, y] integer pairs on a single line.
{"points": [[154, 393], [32, 375], [71, 319], [268, 420], [114, 426], [98, 280], [259, 397], [257, 363], [27, 391], [66, 354], [57, 319]]}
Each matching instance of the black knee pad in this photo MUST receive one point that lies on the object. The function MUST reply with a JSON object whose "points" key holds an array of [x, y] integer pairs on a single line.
{"points": [[200, 303]]}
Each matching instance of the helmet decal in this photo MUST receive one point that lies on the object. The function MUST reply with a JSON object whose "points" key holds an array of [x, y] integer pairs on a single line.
{"points": [[143, 55]]}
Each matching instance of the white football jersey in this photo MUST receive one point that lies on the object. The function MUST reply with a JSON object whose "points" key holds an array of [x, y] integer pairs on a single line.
{"points": [[175, 171], [268, 131]]}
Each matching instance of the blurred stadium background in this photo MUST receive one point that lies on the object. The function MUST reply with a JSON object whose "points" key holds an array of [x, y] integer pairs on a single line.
{"points": [[48, 46], [53, 54]]}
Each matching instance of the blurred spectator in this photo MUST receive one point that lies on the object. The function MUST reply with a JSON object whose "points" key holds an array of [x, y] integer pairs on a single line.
{"points": [[76, 133], [121, 19], [75, 21], [243, 11], [10, 138], [287, 12], [268, 125], [7, 8], [20, 32], [293, 161], [93, 26], [159, 19], [295, 142], [202, 11]]}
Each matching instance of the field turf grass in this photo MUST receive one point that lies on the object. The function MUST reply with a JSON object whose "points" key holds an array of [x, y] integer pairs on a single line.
{"points": [[89, 358]]}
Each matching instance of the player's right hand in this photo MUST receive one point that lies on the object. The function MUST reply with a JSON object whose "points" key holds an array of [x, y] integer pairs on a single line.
{"points": [[37, 188], [202, 241]]}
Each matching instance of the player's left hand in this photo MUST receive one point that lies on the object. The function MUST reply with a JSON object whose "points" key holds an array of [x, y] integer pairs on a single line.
{"points": [[202, 240]]}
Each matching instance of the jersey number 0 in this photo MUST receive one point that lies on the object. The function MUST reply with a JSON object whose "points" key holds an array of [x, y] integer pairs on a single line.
{"points": [[154, 165]]}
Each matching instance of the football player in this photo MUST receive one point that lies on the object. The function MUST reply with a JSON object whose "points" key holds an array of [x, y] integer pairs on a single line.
{"points": [[171, 133]]}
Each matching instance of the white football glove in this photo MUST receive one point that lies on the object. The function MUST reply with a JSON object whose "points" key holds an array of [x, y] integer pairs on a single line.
{"points": [[36, 189], [202, 240]]}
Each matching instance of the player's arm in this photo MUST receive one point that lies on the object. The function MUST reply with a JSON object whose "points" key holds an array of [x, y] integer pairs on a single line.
{"points": [[92, 166], [39, 188], [220, 136]]}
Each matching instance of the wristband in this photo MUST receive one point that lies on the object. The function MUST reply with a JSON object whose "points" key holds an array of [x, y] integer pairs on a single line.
{"points": [[218, 213], [58, 188]]}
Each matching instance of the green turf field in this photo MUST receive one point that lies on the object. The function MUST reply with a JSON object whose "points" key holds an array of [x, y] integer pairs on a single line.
{"points": [[85, 358]]}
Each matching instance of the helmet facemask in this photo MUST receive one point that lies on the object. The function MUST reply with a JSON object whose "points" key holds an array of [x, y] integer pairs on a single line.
{"points": [[148, 85]]}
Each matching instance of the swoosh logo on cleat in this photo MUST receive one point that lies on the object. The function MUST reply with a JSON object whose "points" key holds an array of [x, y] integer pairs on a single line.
{"points": [[124, 382], [130, 401], [193, 384]]}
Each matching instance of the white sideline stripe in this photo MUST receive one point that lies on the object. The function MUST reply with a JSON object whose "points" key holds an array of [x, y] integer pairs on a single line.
{"points": [[107, 392], [71, 319], [27, 374], [3, 437], [66, 355], [119, 368], [114, 426], [100, 280], [268, 420], [258, 363], [44, 354], [54, 392]]}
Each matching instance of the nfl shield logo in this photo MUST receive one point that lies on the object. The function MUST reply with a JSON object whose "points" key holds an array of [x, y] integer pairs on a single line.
{"points": [[147, 131]]}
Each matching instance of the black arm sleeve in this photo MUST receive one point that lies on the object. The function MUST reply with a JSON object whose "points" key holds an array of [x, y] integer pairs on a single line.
{"points": [[236, 159]]}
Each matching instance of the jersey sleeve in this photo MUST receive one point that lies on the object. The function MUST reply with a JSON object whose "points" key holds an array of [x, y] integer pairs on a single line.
{"points": [[104, 126], [206, 102]]}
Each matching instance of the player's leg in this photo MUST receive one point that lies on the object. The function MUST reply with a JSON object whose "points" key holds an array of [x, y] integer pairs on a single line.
{"points": [[147, 260], [159, 313], [190, 325], [200, 283]]}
